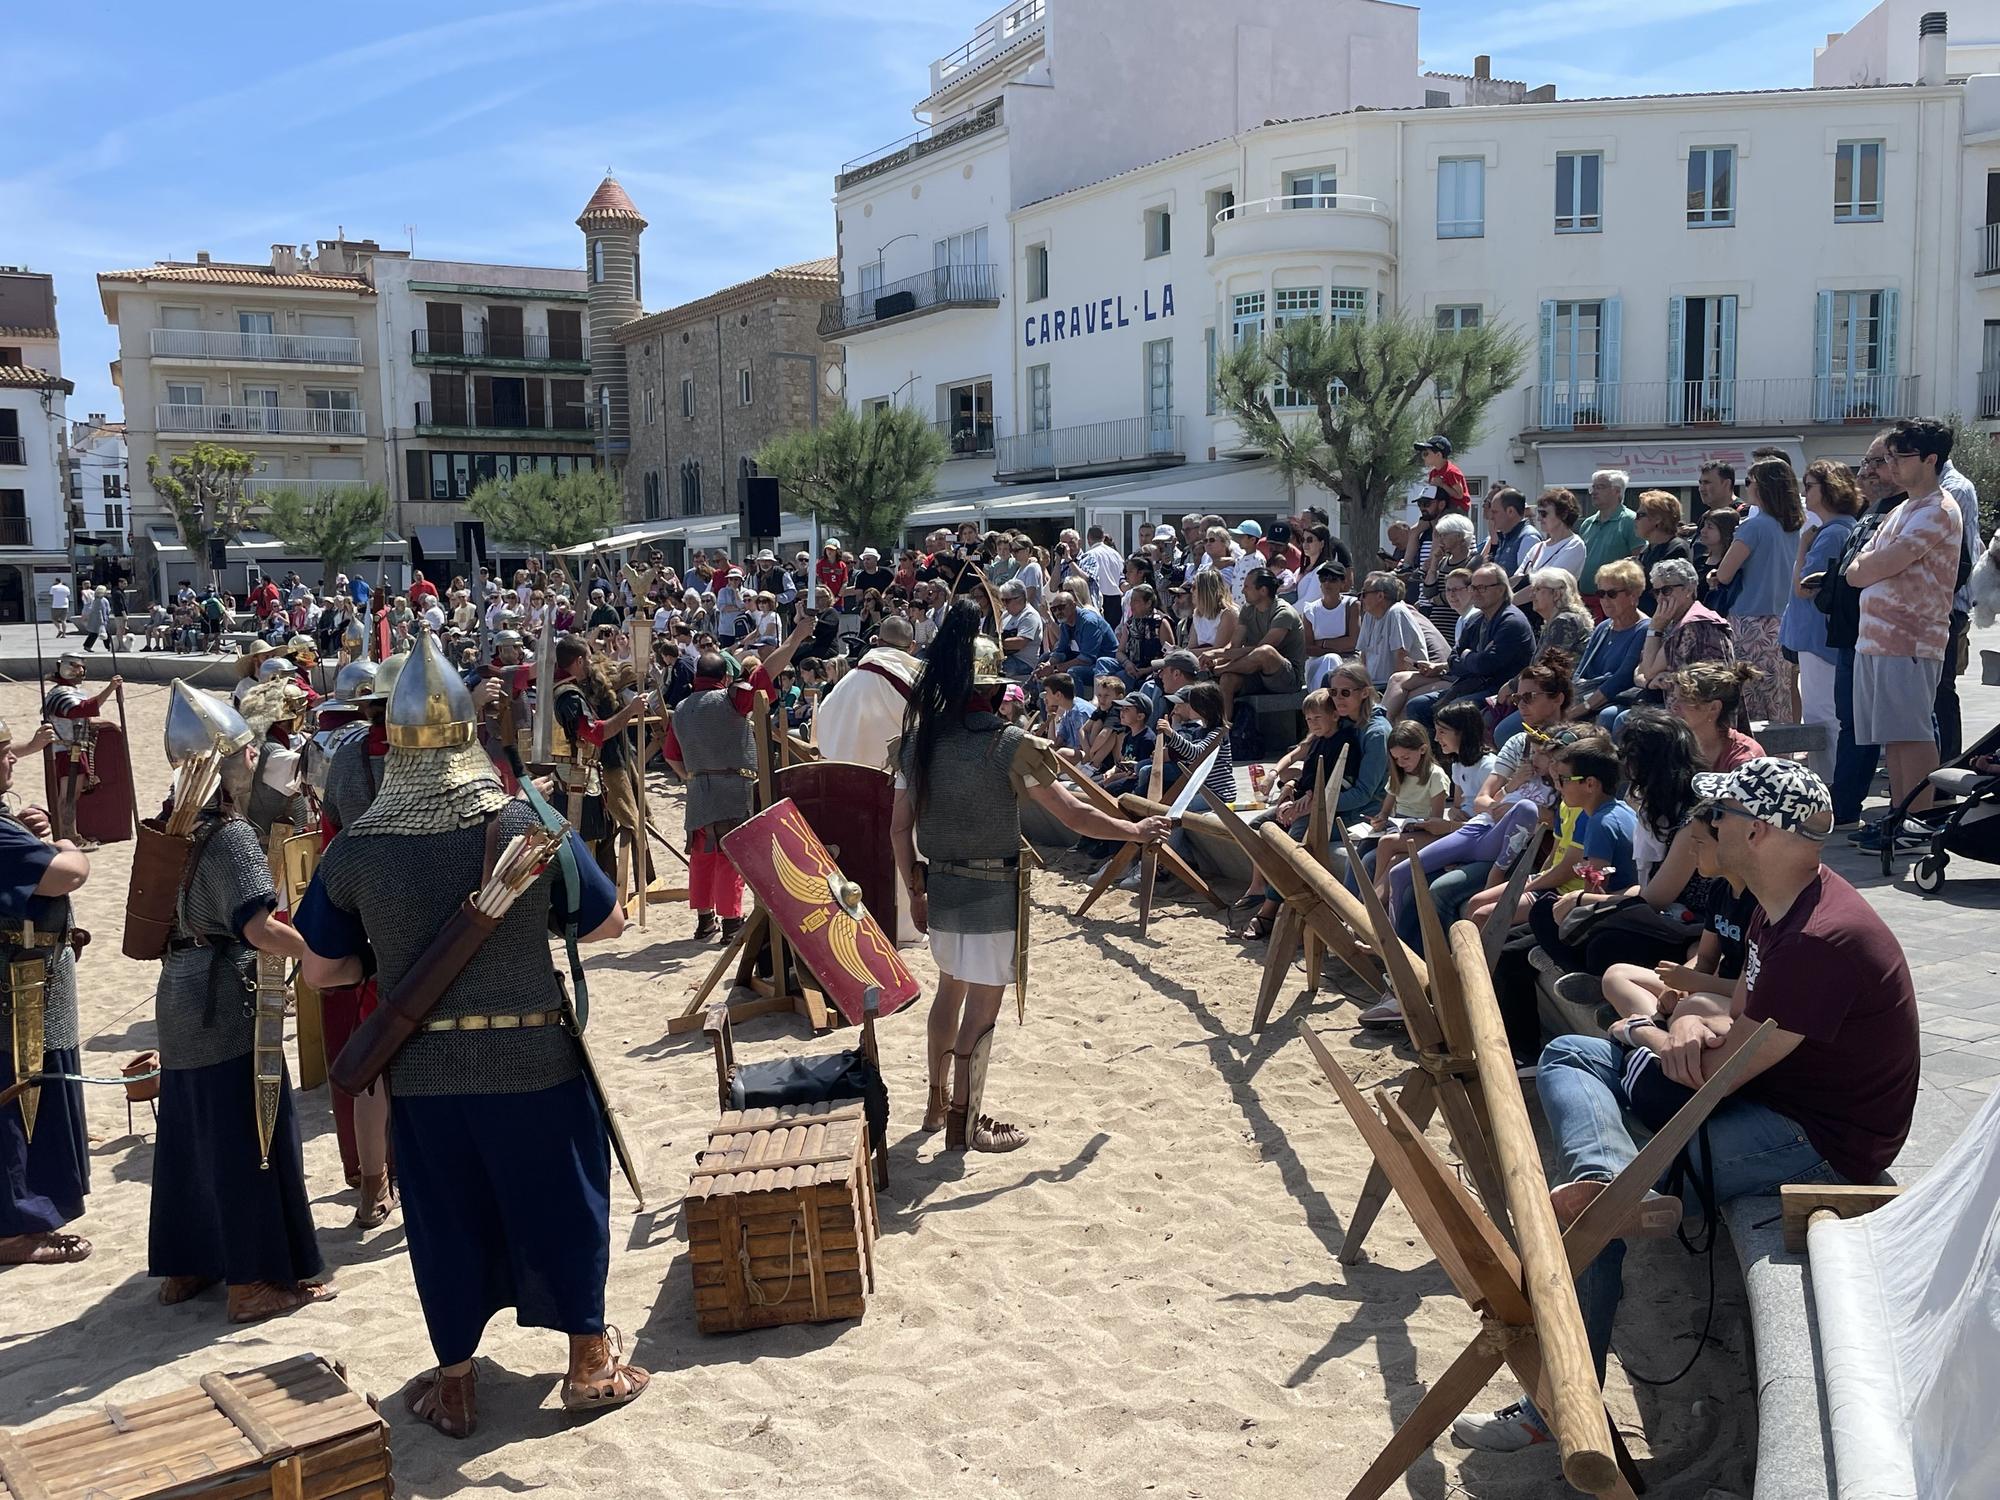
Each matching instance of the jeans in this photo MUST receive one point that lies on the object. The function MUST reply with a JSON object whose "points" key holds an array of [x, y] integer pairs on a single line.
{"points": [[1583, 1097], [1449, 893], [1853, 764], [1507, 728], [1084, 674], [1424, 706]]}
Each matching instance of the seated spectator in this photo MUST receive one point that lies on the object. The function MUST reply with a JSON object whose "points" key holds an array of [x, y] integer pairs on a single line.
{"points": [[1144, 635], [1178, 669], [1493, 650], [1418, 789], [1063, 718], [1084, 646], [1212, 628], [1272, 658], [1193, 728], [1560, 547], [1683, 630], [1460, 734], [1708, 698], [1393, 639], [1831, 1092], [1593, 844], [1333, 621], [1020, 631], [1561, 624], [1136, 744]]}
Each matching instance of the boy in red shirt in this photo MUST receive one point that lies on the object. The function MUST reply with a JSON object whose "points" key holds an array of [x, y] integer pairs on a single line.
{"points": [[831, 572], [1444, 476]]}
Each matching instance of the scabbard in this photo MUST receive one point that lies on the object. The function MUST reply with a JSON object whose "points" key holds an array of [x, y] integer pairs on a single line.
{"points": [[379, 1038]]}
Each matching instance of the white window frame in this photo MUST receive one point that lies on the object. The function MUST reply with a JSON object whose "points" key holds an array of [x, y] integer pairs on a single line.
{"points": [[1571, 171], [969, 247], [1159, 224], [870, 278], [1316, 187], [1246, 312], [1452, 173], [1857, 209], [1293, 304], [1041, 399], [1703, 159], [199, 388]]}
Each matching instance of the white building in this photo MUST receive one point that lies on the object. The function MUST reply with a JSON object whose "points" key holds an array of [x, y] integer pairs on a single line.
{"points": [[483, 371], [100, 492], [1093, 217], [33, 549]]}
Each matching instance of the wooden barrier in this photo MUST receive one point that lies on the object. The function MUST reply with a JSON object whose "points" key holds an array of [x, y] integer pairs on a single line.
{"points": [[1120, 862]]}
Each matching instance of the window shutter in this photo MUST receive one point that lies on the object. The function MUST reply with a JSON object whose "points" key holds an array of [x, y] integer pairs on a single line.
{"points": [[1725, 363], [1887, 397], [1823, 402], [1607, 363], [1548, 365], [1676, 355], [534, 403]]}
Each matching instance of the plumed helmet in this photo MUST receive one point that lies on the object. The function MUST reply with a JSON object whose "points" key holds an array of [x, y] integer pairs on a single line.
{"points": [[986, 662], [199, 723], [269, 702], [429, 707], [354, 682]]}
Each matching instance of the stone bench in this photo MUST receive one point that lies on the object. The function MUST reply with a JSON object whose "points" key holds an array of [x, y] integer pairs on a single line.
{"points": [[1280, 719]]}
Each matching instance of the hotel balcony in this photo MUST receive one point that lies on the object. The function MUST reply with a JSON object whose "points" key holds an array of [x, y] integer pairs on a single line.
{"points": [[1671, 405], [498, 420], [967, 437], [511, 350], [1311, 224], [306, 423], [1000, 32], [1986, 250], [932, 138], [930, 291], [1096, 447], [206, 346]]}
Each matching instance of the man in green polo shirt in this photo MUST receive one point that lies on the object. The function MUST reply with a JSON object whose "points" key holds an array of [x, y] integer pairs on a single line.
{"points": [[1608, 535]]}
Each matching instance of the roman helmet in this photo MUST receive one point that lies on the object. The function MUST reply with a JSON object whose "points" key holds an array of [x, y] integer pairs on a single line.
{"points": [[354, 639], [436, 777], [382, 678], [353, 682], [304, 650], [275, 669], [986, 658], [71, 667], [201, 723], [508, 640]]}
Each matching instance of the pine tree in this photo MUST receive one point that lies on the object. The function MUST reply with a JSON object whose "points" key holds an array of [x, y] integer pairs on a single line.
{"points": [[861, 475], [329, 522], [540, 512]]}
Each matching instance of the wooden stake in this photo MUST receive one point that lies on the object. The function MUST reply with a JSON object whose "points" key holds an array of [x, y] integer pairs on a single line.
{"points": [[1149, 860]]}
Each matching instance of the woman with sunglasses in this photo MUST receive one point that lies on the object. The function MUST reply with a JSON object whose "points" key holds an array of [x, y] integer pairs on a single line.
{"points": [[1683, 629], [1560, 546]]}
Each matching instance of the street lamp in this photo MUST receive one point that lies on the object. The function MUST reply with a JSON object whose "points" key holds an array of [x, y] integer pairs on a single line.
{"points": [[908, 234]]}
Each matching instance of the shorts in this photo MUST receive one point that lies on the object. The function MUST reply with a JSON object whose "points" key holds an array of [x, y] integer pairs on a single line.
{"points": [[1284, 680], [1895, 698], [975, 957]]}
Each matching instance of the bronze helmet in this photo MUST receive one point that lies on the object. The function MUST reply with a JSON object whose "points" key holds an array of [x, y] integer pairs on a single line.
{"points": [[429, 706]]}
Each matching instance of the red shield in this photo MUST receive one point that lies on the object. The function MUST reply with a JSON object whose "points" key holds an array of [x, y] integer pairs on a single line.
{"points": [[104, 812], [804, 892], [850, 807]]}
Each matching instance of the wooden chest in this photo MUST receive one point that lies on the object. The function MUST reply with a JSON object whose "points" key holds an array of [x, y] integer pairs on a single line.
{"points": [[292, 1430], [781, 1218]]}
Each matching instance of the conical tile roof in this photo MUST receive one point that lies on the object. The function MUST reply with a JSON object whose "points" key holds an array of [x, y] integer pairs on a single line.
{"points": [[610, 203]]}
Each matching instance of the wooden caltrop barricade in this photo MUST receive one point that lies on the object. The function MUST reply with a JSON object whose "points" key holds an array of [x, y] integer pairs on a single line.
{"points": [[1120, 862], [1529, 1315]]}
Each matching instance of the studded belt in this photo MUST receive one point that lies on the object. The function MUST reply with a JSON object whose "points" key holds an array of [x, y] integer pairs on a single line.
{"points": [[496, 1023], [979, 869], [13, 935]]}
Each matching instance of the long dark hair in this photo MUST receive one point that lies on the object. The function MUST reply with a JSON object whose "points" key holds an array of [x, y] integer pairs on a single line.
{"points": [[943, 687], [1659, 757]]}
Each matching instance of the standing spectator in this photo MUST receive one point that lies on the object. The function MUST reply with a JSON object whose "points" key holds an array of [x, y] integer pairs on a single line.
{"points": [[1659, 527], [1030, 571], [1764, 551], [832, 573], [116, 608], [59, 606], [422, 591], [872, 574], [602, 611], [1450, 551], [1106, 571], [1608, 534], [1907, 575], [1443, 477], [1833, 500], [1493, 650], [1560, 546], [1717, 486], [264, 602], [1249, 548], [1964, 494], [1509, 532]]}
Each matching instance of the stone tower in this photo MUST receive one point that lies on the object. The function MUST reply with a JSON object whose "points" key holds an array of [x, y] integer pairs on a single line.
{"points": [[611, 228]]}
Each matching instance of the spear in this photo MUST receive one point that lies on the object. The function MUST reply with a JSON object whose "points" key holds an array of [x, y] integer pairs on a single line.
{"points": [[124, 731]]}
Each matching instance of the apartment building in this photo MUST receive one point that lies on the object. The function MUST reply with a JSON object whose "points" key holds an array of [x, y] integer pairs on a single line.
{"points": [[711, 382], [282, 359], [100, 493], [1695, 276], [484, 370], [33, 551]]}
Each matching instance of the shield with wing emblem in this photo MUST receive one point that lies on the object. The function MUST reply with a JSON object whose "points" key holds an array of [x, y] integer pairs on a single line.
{"points": [[819, 910]]}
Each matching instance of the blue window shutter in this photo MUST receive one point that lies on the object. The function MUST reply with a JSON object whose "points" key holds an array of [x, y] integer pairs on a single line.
{"points": [[1823, 400], [1726, 362], [1548, 368], [1476, 171], [1607, 362], [1676, 379], [1887, 397]]}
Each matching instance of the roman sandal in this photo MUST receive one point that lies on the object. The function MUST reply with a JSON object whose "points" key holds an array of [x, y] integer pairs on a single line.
{"points": [[607, 1381], [445, 1402]]}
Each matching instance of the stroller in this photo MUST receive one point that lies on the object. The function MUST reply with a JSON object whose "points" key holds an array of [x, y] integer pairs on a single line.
{"points": [[1969, 827]]}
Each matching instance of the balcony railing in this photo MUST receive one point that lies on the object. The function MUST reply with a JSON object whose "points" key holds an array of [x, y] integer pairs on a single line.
{"points": [[919, 143], [1129, 442], [1290, 202], [276, 421], [470, 415], [1986, 253], [1989, 395], [13, 450], [482, 344], [1592, 405], [278, 348], [264, 486], [967, 438], [1000, 31], [929, 291]]}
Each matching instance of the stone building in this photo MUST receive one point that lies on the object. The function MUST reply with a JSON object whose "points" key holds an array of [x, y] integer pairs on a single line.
{"points": [[711, 381], [611, 226]]}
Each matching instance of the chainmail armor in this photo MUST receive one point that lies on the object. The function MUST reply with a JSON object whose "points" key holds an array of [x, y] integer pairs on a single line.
{"points": [[714, 737], [351, 781], [971, 811], [59, 1022], [232, 875], [404, 888]]}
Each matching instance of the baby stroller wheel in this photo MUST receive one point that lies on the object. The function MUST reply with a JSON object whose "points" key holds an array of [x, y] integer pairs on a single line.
{"points": [[1930, 873]]}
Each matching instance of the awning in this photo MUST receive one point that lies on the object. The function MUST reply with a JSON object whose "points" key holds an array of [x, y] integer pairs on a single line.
{"points": [[1656, 463], [435, 541], [615, 541]]}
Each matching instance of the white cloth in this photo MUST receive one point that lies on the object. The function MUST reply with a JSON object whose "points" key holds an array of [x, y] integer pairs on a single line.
{"points": [[58, 596], [1566, 554], [975, 957], [863, 714], [1908, 1305], [1106, 569]]}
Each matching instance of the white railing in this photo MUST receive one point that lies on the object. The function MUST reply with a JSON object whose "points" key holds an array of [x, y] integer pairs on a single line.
{"points": [[279, 421], [1129, 440], [1989, 395], [1353, 203], [995, 35], [264, 485], [1986, 253], [285, 348], [1720, 402]]}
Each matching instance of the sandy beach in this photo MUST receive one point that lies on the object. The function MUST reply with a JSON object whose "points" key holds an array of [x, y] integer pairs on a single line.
{"points": [[1143, 1301]]}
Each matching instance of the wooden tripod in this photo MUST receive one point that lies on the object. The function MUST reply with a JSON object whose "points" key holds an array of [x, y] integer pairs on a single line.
{"points": [[1529, 1315], [1120, 862]]}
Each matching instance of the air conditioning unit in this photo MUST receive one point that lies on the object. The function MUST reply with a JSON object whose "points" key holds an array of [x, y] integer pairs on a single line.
{"points": [[225, 418], [895, 305]]}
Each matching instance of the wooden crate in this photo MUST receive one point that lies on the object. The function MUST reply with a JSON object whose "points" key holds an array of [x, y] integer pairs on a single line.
{"points": [[781, 1218], [292, 1430]]}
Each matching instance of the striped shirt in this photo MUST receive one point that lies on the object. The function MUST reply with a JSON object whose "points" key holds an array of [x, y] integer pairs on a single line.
{"points": [[1187, 750]]}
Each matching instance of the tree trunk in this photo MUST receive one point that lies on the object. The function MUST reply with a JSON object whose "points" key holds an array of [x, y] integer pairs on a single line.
{"points": [[1363, 518]]}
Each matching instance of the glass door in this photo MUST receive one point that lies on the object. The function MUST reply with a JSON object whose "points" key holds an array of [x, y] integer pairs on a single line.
{"points": [[1160, 396]]}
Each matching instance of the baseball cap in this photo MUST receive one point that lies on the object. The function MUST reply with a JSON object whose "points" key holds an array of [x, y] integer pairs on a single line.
{"points": [[1137, 700], [1250, 528], [1438, 441], [1182, 661], [1164, 533], [1333, 567], [1180, 695], [832, 541], [1782, 793]]}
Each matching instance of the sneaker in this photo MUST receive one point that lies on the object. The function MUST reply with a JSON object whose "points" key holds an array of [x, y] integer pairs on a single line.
{"points": [[1527, 1072], [1384, 1012], [1865, 830], [1129, 881], [1852, 825], [1907, 840], [1580, 989], [1507, 1430]]}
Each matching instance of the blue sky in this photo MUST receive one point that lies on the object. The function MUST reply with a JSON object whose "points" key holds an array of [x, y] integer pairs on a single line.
{"points": [[144, 132]]}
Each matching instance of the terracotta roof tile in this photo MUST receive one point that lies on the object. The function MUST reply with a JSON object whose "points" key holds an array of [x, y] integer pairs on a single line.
{"points": [[227, 275], [823, 276], [611, 201], [27, 377], [826, 265], [10, 332]]}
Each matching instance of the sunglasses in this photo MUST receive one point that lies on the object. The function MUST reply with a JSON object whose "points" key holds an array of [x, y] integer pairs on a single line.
{"points": [[1345, 692], [1612, 593], [1529, 695], [1712, 813]]}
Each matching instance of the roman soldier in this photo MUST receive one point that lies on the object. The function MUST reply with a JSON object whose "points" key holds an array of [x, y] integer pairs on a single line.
{"points": [[710, 746], [229, 1204], [273, 710], [502, 1152], [71, 713], [44, 1146], [587, 708], [502, 690], [303, 653], [964, 773]]}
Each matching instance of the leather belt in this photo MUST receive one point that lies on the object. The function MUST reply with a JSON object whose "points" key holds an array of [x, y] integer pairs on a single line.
{"points": [[183, 944], [496, 1023], [12, 936], [734, 772], [979, 869]]}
